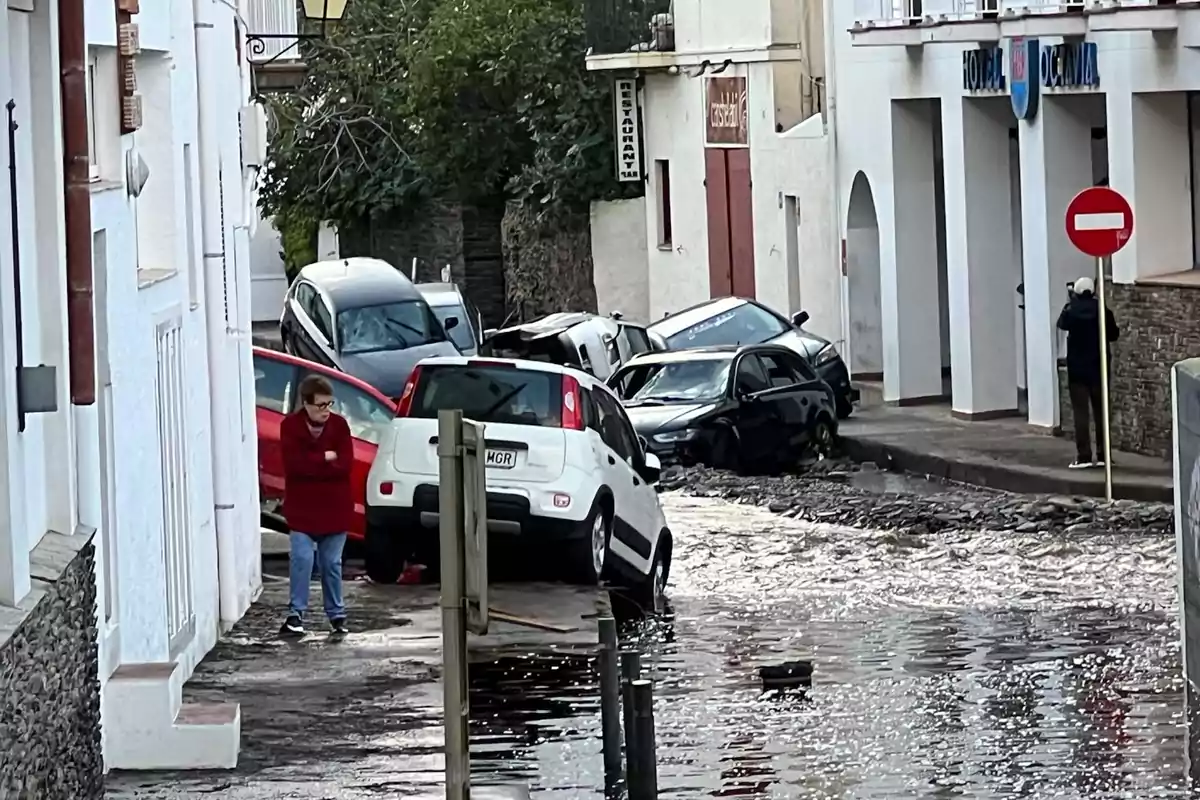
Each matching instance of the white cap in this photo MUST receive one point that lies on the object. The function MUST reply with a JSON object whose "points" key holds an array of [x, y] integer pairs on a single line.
{"points": [[1085, 286]]}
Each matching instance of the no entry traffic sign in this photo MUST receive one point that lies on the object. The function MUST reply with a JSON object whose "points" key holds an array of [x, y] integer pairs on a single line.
{"points": [[1099, 221]]}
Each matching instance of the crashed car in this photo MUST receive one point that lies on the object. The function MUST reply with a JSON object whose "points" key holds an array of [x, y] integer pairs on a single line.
{"points": [[754, 407], [589, 342], [737, 321]]}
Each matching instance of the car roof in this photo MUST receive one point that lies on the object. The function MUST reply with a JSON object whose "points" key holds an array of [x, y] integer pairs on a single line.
{"points": [[357, 282], [517, 363], [716, 353], [682, 320], [288, 358], [554, 323], [440, 294]]}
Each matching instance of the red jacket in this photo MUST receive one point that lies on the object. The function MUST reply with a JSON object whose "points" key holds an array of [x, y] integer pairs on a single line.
{"points": [[317, 499]]}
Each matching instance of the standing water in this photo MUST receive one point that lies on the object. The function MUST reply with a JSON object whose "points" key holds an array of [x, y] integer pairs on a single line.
{"points": [[970, 665]]}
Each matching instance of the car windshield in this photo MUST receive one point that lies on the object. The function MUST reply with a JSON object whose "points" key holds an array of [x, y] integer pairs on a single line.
{"points": [[746, 324], [388, 326], [500, 394], [461, 334], [692, 381]]}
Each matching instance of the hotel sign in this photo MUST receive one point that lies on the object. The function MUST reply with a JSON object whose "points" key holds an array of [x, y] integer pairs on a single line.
{"points": [[1073, 65], [628, 133], [983, 69], [726, 112]]}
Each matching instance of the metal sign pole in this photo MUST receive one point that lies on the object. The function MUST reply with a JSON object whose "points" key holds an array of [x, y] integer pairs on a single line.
{"points": [[1104, 425], [454, 633]]}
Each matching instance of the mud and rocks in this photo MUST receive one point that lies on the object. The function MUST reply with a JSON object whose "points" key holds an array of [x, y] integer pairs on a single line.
{"points": [[844, 493]]}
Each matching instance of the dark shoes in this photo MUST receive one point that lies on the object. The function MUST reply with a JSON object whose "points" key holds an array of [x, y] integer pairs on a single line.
{"points": [[339, 627], [292, 626]]}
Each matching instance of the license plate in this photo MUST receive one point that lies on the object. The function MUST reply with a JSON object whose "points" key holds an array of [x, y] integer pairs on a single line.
{"points": [[501, 459]]}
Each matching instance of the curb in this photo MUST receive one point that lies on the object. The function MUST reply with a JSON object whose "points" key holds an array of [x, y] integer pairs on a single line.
{"points": [[993, 476]]}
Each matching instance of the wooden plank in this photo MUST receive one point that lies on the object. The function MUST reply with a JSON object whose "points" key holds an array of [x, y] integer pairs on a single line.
{"points": [[504, 616]]}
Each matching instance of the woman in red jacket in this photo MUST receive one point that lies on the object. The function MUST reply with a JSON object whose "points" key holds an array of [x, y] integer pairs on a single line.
{"points": [[317, 502]]}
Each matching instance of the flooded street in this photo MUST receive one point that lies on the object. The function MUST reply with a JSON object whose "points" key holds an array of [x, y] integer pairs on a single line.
{"points": [[947, 665]]}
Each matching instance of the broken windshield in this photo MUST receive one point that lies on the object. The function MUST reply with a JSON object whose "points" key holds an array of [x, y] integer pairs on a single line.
{"points": [[388, 326]]}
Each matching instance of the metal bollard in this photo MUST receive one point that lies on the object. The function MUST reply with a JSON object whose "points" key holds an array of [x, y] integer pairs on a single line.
{"points": [[631, 671], [643, 782], [610, 700]]}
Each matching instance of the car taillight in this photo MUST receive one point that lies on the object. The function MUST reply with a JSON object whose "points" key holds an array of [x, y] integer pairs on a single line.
{"points": [[406, 396], [385, 488], [572, 404]]}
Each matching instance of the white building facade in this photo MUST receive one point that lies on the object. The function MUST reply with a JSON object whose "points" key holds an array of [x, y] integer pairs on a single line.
{"points": [[136, 474], [952, 196], [733, 152]]}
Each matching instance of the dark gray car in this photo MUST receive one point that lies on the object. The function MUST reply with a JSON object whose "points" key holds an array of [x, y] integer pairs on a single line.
{"points": [[449, 301], [363, 317]]}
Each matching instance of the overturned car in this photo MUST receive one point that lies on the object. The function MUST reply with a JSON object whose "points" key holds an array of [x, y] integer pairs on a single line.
{"points": [[595, 344]]}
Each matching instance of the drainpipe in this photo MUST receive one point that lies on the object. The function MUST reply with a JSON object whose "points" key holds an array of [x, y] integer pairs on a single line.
{"points": [[221, 408], [830, 119], [81, 347]]}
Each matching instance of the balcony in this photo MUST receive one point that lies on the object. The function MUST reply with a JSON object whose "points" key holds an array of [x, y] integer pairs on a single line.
{"points": [[631, 34], [917, 22], [273, 18]]}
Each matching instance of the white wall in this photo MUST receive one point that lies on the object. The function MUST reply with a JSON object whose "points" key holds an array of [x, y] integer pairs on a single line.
{"points": [[268, 277], [619, 259]]}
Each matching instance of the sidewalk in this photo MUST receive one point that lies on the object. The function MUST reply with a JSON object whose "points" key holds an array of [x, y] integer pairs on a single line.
{"points": [[362, 717], [1001, 454]]}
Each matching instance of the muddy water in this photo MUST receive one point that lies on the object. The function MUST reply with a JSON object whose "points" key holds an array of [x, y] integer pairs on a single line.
{"points": [[973, 666]]}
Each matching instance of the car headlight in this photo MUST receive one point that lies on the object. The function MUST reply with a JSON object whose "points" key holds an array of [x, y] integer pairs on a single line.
{"points": [[825, 356], [671, 437]]}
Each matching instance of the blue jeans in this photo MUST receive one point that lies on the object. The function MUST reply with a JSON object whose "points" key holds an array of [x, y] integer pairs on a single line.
{"points": [[327, 552]]}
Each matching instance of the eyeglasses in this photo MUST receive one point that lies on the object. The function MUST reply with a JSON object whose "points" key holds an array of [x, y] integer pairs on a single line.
{"points": [[321, 406]]}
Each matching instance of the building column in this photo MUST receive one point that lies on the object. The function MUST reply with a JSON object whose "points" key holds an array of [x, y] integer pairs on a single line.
{"points": [[912, 362], [1148, 156], [982, 274], [1056, 164]]}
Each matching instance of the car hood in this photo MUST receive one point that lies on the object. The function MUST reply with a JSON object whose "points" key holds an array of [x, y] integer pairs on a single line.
{"points": [[387, 370], [805, 343], [651, 419]]}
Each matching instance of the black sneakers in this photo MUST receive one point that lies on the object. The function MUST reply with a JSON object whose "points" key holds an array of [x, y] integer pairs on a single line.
{"points": [[292, 626], [339, 626]]}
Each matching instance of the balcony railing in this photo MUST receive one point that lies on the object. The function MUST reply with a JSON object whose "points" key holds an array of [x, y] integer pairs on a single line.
{"points": [[274, 18], [908, 12], [623, 26]]}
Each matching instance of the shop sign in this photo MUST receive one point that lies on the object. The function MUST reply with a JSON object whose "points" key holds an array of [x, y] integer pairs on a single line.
{"points": [[1023, 77], [1071, 65], [629, 143], [983, 69], [726, 112]]}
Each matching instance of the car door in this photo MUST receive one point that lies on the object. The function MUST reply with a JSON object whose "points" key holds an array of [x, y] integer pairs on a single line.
{"points": [[325, 351], [815, 393], [633, 340], [630, 539], [301, 329], [757, 422], [787, 394], [274, 396], [368, 416]]}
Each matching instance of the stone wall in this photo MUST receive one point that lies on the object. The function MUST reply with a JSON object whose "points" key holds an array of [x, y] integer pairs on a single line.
{"points": [[49, 679], [548, 270], [1160, 325]]}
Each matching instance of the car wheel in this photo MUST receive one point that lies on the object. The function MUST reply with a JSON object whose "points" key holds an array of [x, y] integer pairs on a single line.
{"points": [[652, 594], [589, 551], [824, 436], [384, 557], [726, 452], [844, 407]]}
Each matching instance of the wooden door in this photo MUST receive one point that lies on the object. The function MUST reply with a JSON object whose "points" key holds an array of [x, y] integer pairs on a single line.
{"points": [[720, 255], [741, 221]]}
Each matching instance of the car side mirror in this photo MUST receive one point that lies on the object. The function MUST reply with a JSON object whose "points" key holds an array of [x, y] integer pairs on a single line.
{"points": [[451, 322], [799, 318], [645, 444], [488, 333], [651, 469]]}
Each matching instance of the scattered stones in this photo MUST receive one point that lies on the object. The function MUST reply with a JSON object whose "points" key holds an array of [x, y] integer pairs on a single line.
{"points": [[842, 493]]}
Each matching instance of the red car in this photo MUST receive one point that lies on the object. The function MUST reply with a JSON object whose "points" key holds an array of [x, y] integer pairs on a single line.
{"points": [[277, 378]]}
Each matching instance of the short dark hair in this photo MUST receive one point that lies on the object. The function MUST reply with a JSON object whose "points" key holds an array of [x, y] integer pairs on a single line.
{"points": [[314, 385]]}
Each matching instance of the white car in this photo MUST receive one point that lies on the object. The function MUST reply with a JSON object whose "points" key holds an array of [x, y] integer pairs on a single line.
{"points": [[569, 481]]}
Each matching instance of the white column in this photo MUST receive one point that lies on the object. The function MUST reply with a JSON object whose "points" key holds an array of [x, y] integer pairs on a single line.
{"points": [[1148, 156], [1056, 164], [14, 541], [912, 365], [981, 272]]}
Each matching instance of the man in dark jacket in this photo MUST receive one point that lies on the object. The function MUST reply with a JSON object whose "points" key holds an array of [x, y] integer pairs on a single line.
{"points": [[317, 503], [1080, 318]]}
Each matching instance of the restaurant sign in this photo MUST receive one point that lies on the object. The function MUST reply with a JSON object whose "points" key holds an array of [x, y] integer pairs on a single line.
{"points": [[629, 142], [725, 121]]}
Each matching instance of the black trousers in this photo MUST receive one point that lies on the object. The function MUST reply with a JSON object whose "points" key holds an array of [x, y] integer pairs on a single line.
{"points": [[1086, 406]]}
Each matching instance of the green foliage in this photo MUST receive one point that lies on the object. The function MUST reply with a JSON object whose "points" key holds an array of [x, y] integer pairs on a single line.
{"points": [[297, 238], [477, 101]]}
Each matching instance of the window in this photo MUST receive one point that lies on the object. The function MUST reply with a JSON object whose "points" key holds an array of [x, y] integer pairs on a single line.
{"points": [[662, 176], [365, 415], [687, 381], [491, 394], [462, 334], [93, 142], [779, 372], [304, 294], [746, 324], [388, 326], [615, 430], [322, 318], [751, 377], [273, 384], [189, 210], [636, 340], [802, 368]]}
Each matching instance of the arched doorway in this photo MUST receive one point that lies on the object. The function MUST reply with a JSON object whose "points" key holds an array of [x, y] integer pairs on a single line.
{"points": [[863, 284]]}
